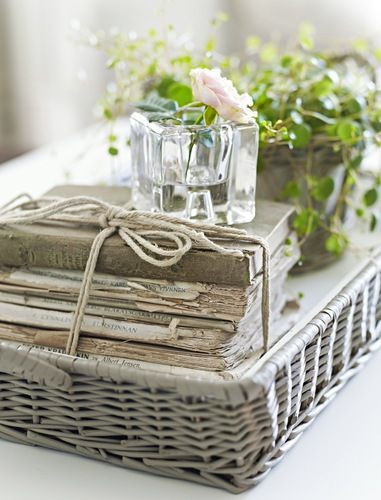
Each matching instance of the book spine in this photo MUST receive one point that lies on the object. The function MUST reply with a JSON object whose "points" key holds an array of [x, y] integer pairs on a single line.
{"points": [[20, 248]]}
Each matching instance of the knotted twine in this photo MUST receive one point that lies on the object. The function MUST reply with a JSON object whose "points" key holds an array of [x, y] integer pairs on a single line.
{"points": [[160, 240]]}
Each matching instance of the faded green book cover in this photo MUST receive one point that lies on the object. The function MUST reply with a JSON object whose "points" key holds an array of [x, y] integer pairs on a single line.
{"points": [[67, 247]]}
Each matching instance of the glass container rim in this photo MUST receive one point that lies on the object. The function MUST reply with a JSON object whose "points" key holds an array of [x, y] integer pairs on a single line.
{"points": [[166, 129]]}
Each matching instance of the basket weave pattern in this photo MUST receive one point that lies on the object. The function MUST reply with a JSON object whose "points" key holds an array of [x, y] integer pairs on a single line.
{"points": [[226, 434]]}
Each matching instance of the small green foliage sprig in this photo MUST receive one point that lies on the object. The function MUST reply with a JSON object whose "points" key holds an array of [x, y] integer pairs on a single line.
{"points": [[153, 65], [168, 111], [168, 58], [158, 61], [163, 109]]}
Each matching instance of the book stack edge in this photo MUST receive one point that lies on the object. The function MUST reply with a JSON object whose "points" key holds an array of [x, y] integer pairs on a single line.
{"points": [[136, 312]]}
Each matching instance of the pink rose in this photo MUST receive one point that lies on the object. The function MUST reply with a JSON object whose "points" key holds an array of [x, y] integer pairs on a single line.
{"points": [[212, 89]]}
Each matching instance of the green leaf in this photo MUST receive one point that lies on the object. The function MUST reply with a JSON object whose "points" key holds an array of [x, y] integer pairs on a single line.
{"points": [[322, 88], [355, 162], [306, 221], [152, 68], [333, 76], [355, 105], [370, 197], [268, 53], [209, 115], [283, 134], [180, 93], [158, 117], [323, 189], [210, 45], [291, 190], [107, 114], [155, 103], [361, 45], [164, 85], [286, 61], [373, 222], [351, 178], [300, 135], [221, 17], [170, 105], [336, 243], [348, 130], [331, 130], [113, 151], [360, 212], [112, 138], [253, 43], [143, 106], [377, 54], [306, 32], [205, 138], [112, 62]]}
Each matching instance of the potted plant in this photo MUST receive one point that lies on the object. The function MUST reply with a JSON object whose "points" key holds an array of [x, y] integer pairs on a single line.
{"points": [[330, 106]]}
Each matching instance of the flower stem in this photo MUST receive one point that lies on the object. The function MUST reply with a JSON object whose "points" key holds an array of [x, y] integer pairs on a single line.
{"points": [[192, 144]]}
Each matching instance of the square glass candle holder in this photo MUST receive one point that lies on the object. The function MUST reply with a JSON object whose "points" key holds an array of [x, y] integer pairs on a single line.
{"points": [[197, 172]]}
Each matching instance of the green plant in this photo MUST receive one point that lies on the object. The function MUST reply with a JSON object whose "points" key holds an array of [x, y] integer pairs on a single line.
{"points": [[324, 101], [307, 101], [158, 61], [168, 59]]}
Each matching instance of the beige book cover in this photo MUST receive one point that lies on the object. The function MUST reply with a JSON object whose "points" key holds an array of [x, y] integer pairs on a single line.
{"points": [[61, 246]]}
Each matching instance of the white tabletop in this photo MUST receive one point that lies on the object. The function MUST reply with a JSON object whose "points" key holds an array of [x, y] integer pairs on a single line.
{"points": [[337, 458]]}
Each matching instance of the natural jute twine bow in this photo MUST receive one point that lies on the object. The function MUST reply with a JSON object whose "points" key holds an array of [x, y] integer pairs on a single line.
{"points": [[158, 239]]}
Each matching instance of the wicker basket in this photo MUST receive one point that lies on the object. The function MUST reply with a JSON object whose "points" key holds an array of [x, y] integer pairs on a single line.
{"points": [[226, 434]]}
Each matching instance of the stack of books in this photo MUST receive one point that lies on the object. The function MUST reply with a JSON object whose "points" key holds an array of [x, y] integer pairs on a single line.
{"points": [[203, 313]]}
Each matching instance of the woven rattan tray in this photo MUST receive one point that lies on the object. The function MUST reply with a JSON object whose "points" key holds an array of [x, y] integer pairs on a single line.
{"points": [[227, 434]]}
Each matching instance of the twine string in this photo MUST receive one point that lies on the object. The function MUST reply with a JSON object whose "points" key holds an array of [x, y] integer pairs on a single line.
{"points": [[158, 239]]}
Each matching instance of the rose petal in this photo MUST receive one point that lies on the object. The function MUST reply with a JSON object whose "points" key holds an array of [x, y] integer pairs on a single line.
{"points": [[210, 88]]}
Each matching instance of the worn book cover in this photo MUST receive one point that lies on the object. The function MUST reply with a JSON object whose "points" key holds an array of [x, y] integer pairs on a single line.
{"points": [[66, 247], [142, 296]]}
